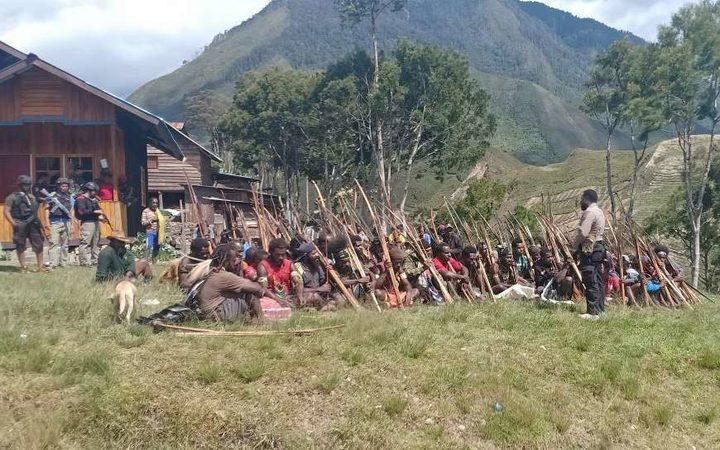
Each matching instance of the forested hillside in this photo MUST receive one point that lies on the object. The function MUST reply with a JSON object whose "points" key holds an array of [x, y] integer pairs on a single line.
{"points": [[532, 59]]}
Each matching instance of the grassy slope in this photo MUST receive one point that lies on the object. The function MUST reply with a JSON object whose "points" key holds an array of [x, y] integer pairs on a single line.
{"points": [[425, 377]]}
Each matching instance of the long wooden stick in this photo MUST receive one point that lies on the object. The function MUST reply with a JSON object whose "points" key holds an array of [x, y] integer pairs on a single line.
{"points": [[383, 242], [211, 332]]}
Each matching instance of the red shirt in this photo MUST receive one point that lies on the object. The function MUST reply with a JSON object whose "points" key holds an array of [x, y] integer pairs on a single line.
{"points": [[106, 191], [452, 265], [278, 276]]}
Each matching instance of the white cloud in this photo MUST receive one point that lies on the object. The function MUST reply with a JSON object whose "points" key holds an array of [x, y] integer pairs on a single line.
{"points": [[641, 17], [118, 44]]}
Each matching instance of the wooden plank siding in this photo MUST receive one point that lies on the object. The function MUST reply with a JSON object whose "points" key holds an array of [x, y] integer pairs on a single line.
{"points": [[56, 139], [169, 176], [38, 93]]}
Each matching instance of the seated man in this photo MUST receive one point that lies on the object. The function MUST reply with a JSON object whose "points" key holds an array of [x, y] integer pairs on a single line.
{"points": [[254, 270], [674, 271], [522, 264], [310, 281], [199, 252], [277, 266], [226, 297], [543, 267], [508, 283], [383, 285], [471, 259], [450, 269], [632, 282], [114, 261]]}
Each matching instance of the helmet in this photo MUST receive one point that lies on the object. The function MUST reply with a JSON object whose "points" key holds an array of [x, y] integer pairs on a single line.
{"points": [[90, 186], [24, 179], [62, 180]]}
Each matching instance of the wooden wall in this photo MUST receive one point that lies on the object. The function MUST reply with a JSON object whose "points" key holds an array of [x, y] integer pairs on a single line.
{"points": [[56, 139], [37, 93], [170, 173]]}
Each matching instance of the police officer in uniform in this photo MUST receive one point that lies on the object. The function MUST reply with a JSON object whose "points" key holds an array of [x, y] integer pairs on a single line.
{"points": [[59, 209], [21, 210], [588, 244]]}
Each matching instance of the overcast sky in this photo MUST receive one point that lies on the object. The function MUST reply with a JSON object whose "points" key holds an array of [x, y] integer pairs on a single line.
{"points": [[120, 44]]}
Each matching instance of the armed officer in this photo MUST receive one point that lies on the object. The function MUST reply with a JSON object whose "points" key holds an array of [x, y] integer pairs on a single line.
{"points": [[59, 214], [21, 210], [88, 212]]}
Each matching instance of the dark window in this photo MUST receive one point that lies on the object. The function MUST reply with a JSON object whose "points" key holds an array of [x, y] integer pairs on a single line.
{"points": [[152, 162], [47, 170], [80, 169]]}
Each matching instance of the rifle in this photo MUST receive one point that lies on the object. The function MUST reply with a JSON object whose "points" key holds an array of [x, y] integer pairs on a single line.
{"points": [[55, 201]]}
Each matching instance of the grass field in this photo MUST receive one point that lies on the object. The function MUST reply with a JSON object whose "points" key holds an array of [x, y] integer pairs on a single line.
{"points": [[424, 377]]}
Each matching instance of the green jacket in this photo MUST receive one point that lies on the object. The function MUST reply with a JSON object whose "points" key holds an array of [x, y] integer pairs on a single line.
{"points": [[114, 264]]}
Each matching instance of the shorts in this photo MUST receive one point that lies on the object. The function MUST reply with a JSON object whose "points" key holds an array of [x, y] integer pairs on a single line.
{"points": [[33, 232]]}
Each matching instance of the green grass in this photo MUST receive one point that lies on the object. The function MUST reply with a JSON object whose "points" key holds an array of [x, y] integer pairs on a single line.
{"points": [[424, 377]]}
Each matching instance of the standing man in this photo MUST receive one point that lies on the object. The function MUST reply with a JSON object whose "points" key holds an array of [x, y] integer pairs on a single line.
{"points": [[88, 212], [21, 210], [588, 245], [150, 220], [59, 215]]}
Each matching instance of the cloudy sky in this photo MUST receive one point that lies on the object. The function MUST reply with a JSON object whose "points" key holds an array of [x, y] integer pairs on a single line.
{"points": [[119, 44]]}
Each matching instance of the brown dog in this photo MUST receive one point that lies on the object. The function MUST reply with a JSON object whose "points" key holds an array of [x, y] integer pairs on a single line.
{"points": [[171, 273]]}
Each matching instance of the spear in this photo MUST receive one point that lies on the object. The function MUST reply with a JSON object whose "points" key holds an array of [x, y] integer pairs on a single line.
{"points": [[383, 243], [420, 252], [353, 256]]}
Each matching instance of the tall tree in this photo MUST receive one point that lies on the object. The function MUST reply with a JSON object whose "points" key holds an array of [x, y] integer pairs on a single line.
{"points": [[356, 11], [204, 112], [437, 113], [688, 78], [643, 114], [269, 122], [606, 98]]}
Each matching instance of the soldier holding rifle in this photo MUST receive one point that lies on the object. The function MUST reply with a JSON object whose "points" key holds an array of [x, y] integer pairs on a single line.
{"points": [[88, 212], [21, 208], [59, 215]]}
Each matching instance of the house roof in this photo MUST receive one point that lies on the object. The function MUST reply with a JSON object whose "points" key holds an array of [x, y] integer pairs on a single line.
{"points": [[233, 175], [160, 133]]}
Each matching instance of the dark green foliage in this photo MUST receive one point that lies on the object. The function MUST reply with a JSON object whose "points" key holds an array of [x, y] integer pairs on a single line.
{"points": [[482, 199]]}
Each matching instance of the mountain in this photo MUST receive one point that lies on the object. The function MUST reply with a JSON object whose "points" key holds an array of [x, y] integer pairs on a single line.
{"points": [[532, 59]]}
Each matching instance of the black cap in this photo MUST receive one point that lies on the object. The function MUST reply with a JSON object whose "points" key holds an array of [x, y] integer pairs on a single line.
{"points": [[590, 195], [24, 179]]}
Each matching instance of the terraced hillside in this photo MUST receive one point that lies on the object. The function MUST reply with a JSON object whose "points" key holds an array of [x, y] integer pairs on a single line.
{"points": [[558, 186]]}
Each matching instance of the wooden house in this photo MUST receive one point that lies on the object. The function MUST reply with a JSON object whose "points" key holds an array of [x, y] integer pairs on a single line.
{"points": [[168, 176], [54, 124]]}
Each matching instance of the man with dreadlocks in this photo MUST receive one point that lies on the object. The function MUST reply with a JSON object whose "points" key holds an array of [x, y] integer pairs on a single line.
{"points": [[310, 279], [226, 297], [199, 252]]}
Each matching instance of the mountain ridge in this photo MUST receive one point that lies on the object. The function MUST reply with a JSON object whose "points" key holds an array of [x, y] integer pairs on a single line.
{"points": [[542, 51]]}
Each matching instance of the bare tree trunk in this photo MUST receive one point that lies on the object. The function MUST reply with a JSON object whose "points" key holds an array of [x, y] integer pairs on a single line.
{"points": [[409, 166], [608, 175], [380, 146], [696, 256]]}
